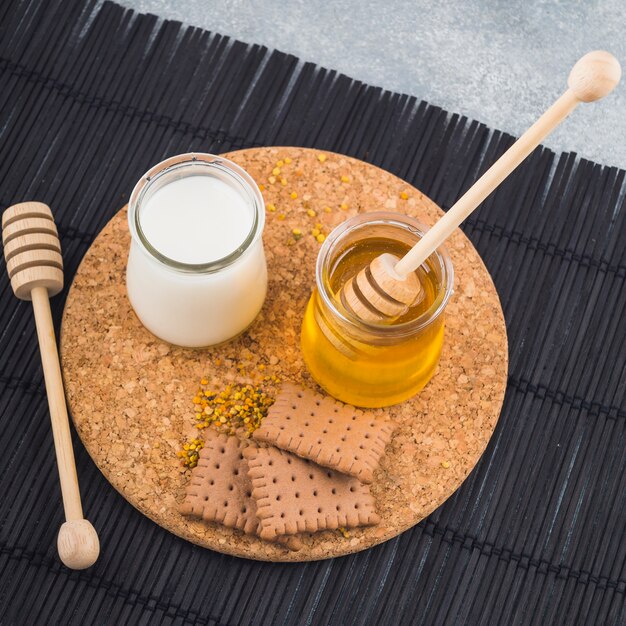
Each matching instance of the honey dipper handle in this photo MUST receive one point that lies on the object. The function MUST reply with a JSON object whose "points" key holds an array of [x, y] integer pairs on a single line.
{"points": [[593, 77], [56, 402]]}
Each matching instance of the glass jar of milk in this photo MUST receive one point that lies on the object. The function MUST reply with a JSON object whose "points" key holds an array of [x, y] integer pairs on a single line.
{"points": [[196, 273]]}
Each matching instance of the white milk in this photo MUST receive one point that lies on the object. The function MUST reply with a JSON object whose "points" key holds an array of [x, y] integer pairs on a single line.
{"points": [[197, 219], [196, 273]]}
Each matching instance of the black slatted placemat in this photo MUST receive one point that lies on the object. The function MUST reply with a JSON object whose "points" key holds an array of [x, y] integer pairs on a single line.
{"points": [[88, 101]]}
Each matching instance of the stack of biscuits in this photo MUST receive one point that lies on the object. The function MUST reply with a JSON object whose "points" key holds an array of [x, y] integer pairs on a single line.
{"points": [[307, 468]]}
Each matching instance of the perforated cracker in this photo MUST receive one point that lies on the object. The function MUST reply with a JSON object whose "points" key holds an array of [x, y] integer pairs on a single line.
{"points": [[295, 495], [326, 431], [220, 489]]}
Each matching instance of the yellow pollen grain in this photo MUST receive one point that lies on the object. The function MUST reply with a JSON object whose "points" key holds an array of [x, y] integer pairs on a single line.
{"points": [[190, 453]]}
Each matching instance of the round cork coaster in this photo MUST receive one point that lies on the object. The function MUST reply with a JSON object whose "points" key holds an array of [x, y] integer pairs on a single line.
{"points": [[130, 394]]}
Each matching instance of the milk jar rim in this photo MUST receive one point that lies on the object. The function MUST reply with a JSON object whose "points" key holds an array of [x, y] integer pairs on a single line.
{"points": [[228, 172], [365, 221]]}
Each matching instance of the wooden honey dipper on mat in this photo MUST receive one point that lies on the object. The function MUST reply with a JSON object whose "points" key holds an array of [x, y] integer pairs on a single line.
{"points": [[388, 287], [33, 256]]}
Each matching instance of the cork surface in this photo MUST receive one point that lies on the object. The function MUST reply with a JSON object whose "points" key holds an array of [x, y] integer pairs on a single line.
{"points": [[130, 394]]}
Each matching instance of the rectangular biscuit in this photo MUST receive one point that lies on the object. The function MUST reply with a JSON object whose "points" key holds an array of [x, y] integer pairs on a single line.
{"points": [[324, 430], [220, 489], [295, 495]]}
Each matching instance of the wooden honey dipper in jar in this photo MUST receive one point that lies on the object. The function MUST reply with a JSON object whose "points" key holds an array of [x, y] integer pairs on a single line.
{"points": [[33, 257], [389, 286]]}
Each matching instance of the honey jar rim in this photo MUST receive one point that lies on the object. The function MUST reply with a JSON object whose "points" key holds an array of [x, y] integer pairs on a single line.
{"points": [[406, 222]]}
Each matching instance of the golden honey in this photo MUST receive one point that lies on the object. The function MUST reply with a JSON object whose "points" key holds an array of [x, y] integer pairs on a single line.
{"points": [[365, 364]]}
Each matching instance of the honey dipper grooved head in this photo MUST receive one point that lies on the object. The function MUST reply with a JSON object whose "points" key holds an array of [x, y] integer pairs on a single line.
{"points": [[32, 249], [378, 293]]}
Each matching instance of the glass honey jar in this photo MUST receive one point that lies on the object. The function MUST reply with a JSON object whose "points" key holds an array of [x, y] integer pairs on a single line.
{"points": [[374, 364]]}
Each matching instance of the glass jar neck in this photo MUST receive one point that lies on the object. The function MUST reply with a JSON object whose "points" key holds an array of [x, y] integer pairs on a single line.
{"points": [[370, 226], [196, 164]]}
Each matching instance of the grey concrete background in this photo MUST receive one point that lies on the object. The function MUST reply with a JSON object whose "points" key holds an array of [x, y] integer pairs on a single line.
{"points": [[501, 62]]}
